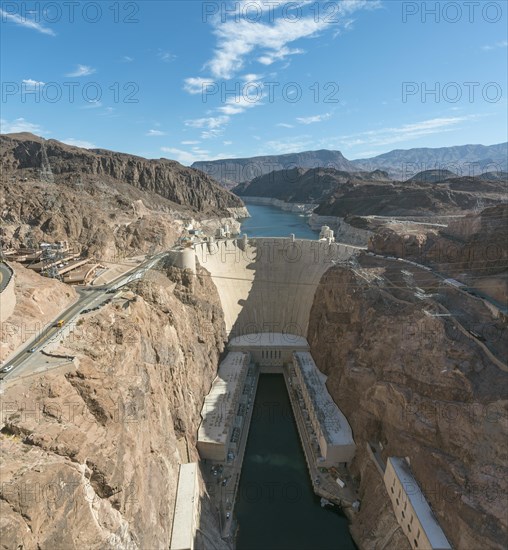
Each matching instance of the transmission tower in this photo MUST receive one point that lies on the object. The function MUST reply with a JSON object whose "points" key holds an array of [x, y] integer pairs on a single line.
{"points": [[46, 173]]}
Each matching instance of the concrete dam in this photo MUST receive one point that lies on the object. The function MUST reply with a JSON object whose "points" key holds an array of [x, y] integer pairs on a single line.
{"points": [[267, 285]]}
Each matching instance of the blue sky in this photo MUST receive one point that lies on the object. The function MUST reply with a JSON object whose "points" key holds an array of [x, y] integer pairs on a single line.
{"points": [[204, 80]]}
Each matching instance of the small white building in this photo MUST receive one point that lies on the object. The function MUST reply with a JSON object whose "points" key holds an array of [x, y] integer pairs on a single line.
{"points": [[187, 508], [411, 508], [326, 234], [272, 349]]}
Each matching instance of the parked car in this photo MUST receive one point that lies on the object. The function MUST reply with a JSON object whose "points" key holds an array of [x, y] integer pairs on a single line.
{"points": [[8, 368]]}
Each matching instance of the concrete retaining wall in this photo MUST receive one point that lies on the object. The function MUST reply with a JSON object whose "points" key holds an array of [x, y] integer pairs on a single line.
{"points": [[8, 296], [268, 285]]}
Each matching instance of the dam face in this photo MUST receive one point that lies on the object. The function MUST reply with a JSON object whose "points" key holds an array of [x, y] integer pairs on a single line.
{"points": [[267, 285]]}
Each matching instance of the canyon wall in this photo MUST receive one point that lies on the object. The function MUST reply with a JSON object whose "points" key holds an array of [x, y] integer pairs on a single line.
{"points": [[7, 296], [424, 390], [90, 458], [55, 162], [295, 207]]}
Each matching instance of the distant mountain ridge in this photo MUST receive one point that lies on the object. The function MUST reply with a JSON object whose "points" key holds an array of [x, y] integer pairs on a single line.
{"points": [[230, 172], [401, 164], [463, 160]]}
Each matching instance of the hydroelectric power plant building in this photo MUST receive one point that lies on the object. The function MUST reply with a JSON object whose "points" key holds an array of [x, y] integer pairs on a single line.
{"points": [[187, 508], [215, 435], [266, 288], [331, 427]]}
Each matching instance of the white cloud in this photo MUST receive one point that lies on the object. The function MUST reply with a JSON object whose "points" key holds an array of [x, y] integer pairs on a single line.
{"points": [[240, 36], [20, 125], [25, 22], [501, 44], [81, 70], [127, 59], [227, 142], [313, 119], [30, 83], [190, 142], [167, 57], [212, 126], [238, 104], [155, 133], [284, 52], [208, 122], [284, 125], [198, 85], [251, 77], [406, 132], [188, 157], [280, 147], [79, 143]]}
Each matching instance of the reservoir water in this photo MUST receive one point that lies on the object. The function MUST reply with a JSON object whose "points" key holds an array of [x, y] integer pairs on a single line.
{"points": [[269, 221], [276, 508]]}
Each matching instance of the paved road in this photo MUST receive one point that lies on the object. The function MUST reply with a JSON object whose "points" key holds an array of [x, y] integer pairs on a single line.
{"points": [[5, 276], [27, 361]]}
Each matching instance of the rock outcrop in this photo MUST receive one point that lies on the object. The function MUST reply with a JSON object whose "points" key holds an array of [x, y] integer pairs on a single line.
{"points": [[90, 459], [26, 154], [107, 204], [426, 390]]}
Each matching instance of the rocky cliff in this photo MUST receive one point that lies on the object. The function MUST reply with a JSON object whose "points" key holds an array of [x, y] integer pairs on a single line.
{"points": [[108, 204], [422, 387], [51, 160], [90, 459], [468, 247], [306, 185], [339, 193]]}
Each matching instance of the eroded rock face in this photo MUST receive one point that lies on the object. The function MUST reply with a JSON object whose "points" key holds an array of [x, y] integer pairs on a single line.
{"points": [[168, 178], [107, 204], [474, 244], [90, 459], [38, 302], [425, 391]]}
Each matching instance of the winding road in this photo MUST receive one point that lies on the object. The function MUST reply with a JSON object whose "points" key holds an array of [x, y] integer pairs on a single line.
{"points": [[31, 357]]}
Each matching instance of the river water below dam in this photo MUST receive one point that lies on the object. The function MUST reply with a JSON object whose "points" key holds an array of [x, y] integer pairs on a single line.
{"points": [[276, 508], [270, 221]]}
